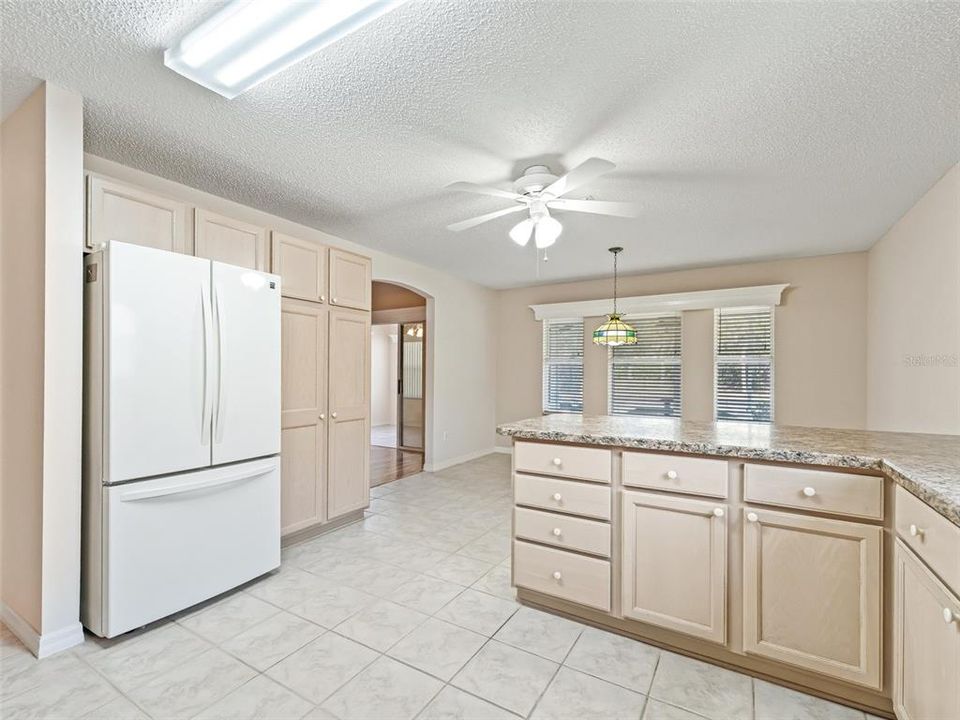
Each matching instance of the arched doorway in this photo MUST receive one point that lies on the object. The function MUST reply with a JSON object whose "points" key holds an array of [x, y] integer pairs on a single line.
{"points": [[398, 407]]}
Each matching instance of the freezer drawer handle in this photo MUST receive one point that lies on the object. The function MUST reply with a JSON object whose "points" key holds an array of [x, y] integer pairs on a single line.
{"points": [[135, 495]]}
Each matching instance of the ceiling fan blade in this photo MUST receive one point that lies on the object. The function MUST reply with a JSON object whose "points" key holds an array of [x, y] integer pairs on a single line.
{"points": [[484, 190], [580, 175], [598, 207], [480, 219]]}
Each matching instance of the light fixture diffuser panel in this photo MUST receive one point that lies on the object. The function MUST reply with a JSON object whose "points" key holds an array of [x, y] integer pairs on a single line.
{"points": [[248, 41]]}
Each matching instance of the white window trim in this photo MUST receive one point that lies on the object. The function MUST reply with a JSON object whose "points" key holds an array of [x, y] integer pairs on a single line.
{"points": [[637, 316], [773, 363], [543, 369]]}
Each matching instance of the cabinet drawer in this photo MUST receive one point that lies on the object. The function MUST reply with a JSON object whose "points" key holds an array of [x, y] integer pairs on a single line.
{"points": [[562, 495], [818, 490], [563, 531], [676, 473], [931, 536], [576, 578], [563, 460]]}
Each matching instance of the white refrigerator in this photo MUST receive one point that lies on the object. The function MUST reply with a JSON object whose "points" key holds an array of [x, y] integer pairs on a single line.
{"points": [[181, 433]]}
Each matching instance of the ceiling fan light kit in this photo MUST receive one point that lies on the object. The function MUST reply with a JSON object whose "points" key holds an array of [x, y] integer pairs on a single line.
{"points": [[615, 331]]}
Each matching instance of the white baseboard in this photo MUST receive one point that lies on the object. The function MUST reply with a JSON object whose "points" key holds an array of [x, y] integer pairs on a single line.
{"points": [[444, 464], [502, 449], [41, 645]]}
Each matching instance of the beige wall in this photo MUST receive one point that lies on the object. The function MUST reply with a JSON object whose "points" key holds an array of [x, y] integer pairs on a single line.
{"points": [[41, 330], [913, 369], [820, 350]]}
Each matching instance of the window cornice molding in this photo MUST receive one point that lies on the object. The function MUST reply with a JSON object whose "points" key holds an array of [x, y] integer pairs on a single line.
{"points": [[760, 295]]}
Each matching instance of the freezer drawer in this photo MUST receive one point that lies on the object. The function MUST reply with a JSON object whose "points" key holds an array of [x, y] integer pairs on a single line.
{"points": [[176, 541]]}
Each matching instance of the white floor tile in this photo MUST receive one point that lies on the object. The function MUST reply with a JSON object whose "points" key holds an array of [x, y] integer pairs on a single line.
{"points": [[386, 689], [438, 648], [614, 658], [510, 678], [574, 695]]}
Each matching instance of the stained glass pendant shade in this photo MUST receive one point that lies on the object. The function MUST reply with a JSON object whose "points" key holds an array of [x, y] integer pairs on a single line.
{"points": [[615, 331]]}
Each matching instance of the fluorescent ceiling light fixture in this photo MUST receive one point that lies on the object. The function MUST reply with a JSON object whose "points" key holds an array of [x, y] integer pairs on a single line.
{"points": [[248, 41]]}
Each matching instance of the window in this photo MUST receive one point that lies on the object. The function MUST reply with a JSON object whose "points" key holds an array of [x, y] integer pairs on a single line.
{"points": [[743, 376], [563, 366], [644, 379]]}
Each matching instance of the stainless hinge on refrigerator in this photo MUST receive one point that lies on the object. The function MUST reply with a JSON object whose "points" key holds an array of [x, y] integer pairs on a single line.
{"points": [[90, 274]]}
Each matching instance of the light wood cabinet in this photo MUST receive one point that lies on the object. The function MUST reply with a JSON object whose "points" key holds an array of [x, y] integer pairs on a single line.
{"points": [[226, 240], [926, 681], [116, 211], [350, 280], [674, 563], [348, 487], [303, 434], [301, 265], [812, 594]]}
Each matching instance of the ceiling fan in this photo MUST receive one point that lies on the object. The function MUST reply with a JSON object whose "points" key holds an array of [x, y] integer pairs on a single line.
{"points": [[538, 191]]}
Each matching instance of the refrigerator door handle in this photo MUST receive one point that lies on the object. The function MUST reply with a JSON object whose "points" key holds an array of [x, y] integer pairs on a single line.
{"points": [[218, 422], [135, 495], [206, 411]]}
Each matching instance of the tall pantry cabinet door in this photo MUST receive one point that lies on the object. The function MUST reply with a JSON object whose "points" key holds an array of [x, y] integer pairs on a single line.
{"points": [[303, 434], [812, 593], [120, 212], [229, 241], [302, 267], [684, 589], [926, 644], [350, 280], [348, 485]]}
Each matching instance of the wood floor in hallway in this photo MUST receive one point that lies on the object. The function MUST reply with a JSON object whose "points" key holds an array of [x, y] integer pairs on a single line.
{"points": [[388, 464]]}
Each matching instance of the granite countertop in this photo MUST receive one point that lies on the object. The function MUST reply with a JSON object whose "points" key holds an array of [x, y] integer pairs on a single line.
{"points": [[926, 465]]}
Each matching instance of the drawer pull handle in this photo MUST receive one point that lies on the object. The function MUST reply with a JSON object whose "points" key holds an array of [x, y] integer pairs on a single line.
{"points": [[556, 531], [752, 517], [672, 474], [809, 491], [557, 576], [558, 497], [916, 531], [718, 512], [949, 616], [558, 462]]}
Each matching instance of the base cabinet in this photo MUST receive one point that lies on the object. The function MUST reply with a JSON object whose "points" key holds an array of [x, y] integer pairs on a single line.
{"points": [[674, 563], [926, 681], [812, 594]]}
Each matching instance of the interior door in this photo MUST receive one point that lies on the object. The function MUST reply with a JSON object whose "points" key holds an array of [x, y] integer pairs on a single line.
{"points": [[348, 469], [303, 434], [246, 408], [410, 387], [157, 337], [685, 588]]}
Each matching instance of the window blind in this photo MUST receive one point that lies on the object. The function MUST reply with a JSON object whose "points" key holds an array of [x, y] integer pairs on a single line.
{"points": [[744, 364], [563, 365], [644, 379]]}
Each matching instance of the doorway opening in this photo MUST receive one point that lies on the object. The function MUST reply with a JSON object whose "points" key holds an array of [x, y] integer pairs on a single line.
{"points": [[398, 383]]}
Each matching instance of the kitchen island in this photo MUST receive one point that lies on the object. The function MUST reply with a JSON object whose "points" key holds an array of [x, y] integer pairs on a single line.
{"points": [[823, 559]]}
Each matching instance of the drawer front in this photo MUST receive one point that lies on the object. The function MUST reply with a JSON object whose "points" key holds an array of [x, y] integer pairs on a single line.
{"points": [[579, 579], [931, 536], [572, 533], [562, 496], [676, 473], [572, 461], [818, 490]]}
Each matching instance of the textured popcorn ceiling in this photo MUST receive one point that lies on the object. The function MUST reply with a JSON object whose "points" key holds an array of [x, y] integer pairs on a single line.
{"points": [[745, 131]]}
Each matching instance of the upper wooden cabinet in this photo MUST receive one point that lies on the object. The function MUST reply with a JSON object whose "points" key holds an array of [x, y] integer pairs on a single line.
{"points": [[120, 212], [229, 241], [812, 594], [684, 588], [302, 267], [350, 280], [926, 666]]}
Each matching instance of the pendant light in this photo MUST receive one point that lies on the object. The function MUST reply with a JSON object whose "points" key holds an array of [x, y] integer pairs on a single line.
{"points": [[615, 331]]}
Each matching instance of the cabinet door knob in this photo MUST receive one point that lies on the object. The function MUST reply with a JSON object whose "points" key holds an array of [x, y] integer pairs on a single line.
{"points": [[752, 517], [718, 512], [557, 575], [333, 300], [558, 497], [333, 415], [556, 531], [809, 491], [323, 298], [672, 474], [323, 416], [558, 462], [949, 616], [916, 531]]}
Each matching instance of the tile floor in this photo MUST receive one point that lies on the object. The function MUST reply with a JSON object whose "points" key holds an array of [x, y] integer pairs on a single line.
{"points": [[407, 614]]}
